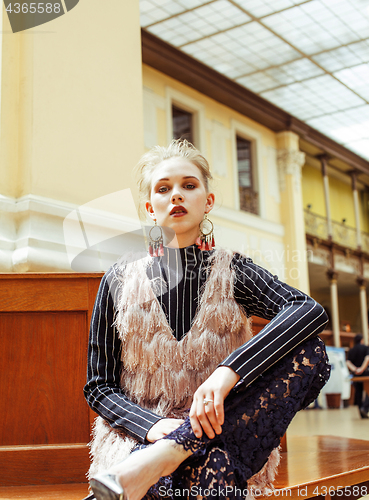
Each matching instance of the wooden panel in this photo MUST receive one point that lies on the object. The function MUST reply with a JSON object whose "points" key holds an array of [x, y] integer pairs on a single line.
{"points": [[364, 380], [43, 295], [43, 464], [258, 324], [44, 357], [44, 323], [54, 492]]}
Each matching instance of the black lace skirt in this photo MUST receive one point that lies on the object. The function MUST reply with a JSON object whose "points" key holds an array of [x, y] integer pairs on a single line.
{"points": [[256, 417]]}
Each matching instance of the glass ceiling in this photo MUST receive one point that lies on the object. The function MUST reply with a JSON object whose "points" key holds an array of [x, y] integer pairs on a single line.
{"points": [[310, 58]]}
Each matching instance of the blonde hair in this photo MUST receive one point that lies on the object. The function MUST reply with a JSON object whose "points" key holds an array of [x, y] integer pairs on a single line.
{"points": [[179, 148]]}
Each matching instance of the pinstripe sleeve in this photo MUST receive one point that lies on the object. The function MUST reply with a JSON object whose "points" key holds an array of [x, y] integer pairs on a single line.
{"points": [[102, 390], [294, 316]]}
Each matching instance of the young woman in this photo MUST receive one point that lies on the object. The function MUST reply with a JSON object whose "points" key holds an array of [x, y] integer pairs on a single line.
{"points": [[173, 369]]}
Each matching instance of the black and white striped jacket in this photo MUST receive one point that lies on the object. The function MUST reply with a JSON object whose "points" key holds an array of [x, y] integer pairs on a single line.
{"points": [[294, 317]]}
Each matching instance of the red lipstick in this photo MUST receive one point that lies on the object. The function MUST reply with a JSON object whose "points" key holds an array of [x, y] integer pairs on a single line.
{"points": [[178, 211]]}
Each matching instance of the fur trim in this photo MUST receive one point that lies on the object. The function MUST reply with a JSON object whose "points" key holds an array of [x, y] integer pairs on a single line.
{"points": [[108, 447], [159, 372], [262, 482]]}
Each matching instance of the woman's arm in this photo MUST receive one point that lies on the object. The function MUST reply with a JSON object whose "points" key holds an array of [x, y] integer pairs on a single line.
{"points": [[102, 390], [294, 317]]}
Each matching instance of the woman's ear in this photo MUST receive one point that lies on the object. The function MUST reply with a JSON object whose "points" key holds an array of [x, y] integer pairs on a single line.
{"points": [[210, 200], [150, 210]]}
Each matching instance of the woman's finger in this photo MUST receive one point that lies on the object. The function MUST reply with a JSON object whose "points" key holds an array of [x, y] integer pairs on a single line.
{"points": [[219, 409], [205, 410], [210, 412], [199, 419], [195, 424]]}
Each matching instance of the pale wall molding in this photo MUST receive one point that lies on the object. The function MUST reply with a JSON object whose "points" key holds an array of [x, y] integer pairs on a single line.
{"points": [[151, 102], [220, 136], [33, 239], [249, 221]]}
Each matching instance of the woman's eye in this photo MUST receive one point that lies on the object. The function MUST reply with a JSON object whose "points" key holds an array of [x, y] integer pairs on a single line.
{"points": [[190, 186], [163, 189]]}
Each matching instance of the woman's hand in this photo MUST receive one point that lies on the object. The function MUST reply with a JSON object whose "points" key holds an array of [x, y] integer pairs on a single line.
{"points": [[210, 417], [162, 428]]}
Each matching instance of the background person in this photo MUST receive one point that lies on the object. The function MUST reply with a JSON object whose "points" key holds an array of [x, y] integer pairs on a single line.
{"points": [[358, 364]]}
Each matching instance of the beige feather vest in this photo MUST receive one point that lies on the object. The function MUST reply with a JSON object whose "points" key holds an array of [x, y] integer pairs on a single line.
{"points": [[158, 372]]}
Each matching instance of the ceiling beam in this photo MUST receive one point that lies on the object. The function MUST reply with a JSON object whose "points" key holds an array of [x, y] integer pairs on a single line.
{"points": [[180, 66]]}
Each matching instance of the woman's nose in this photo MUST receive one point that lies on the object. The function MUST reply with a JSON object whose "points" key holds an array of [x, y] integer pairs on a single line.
{"points": [[177, 196]]}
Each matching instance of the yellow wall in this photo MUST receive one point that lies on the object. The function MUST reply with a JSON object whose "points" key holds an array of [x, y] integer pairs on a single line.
{"points": [[341, 198], [312, 190], [10, 76], [342, 201], [72, 126], [364, 211]]}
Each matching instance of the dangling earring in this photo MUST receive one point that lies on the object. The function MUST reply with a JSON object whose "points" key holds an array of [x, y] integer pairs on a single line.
{"points": [[156, 248], [206, 239]]}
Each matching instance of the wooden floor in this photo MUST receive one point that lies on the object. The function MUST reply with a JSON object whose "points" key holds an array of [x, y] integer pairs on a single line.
{"points": [[314, 464]]}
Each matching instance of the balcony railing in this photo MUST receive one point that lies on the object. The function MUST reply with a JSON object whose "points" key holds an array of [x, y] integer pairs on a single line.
{"points": [[316, 225], [345, 235]]}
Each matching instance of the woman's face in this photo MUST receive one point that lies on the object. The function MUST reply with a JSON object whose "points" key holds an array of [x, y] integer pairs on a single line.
{"points": [[178, 199]]}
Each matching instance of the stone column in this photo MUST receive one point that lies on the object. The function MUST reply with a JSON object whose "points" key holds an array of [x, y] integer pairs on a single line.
{"points": [[290, 161], [357, 210], [323, 159], [332, 276], [363, 309]]}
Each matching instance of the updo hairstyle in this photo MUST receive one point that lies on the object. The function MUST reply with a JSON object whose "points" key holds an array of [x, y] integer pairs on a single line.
{"points": [[180, 148]]}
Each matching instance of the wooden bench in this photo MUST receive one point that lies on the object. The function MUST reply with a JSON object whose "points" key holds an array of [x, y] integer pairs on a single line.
{"points": [[321, 465], [45, 492], [316, 466], [364, 381], [43, 433]]}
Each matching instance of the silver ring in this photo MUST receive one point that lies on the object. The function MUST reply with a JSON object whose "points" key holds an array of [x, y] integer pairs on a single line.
{"points": [[206, 401]]}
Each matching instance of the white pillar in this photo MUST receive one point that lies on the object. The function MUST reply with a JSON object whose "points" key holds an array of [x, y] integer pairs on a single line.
{"points": [[323, 160], [356, 208], [332, 275], [290, 161], [363, 310]]}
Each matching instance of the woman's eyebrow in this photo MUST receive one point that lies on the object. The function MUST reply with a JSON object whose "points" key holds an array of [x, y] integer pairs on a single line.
{"points": [[185, 177]]}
